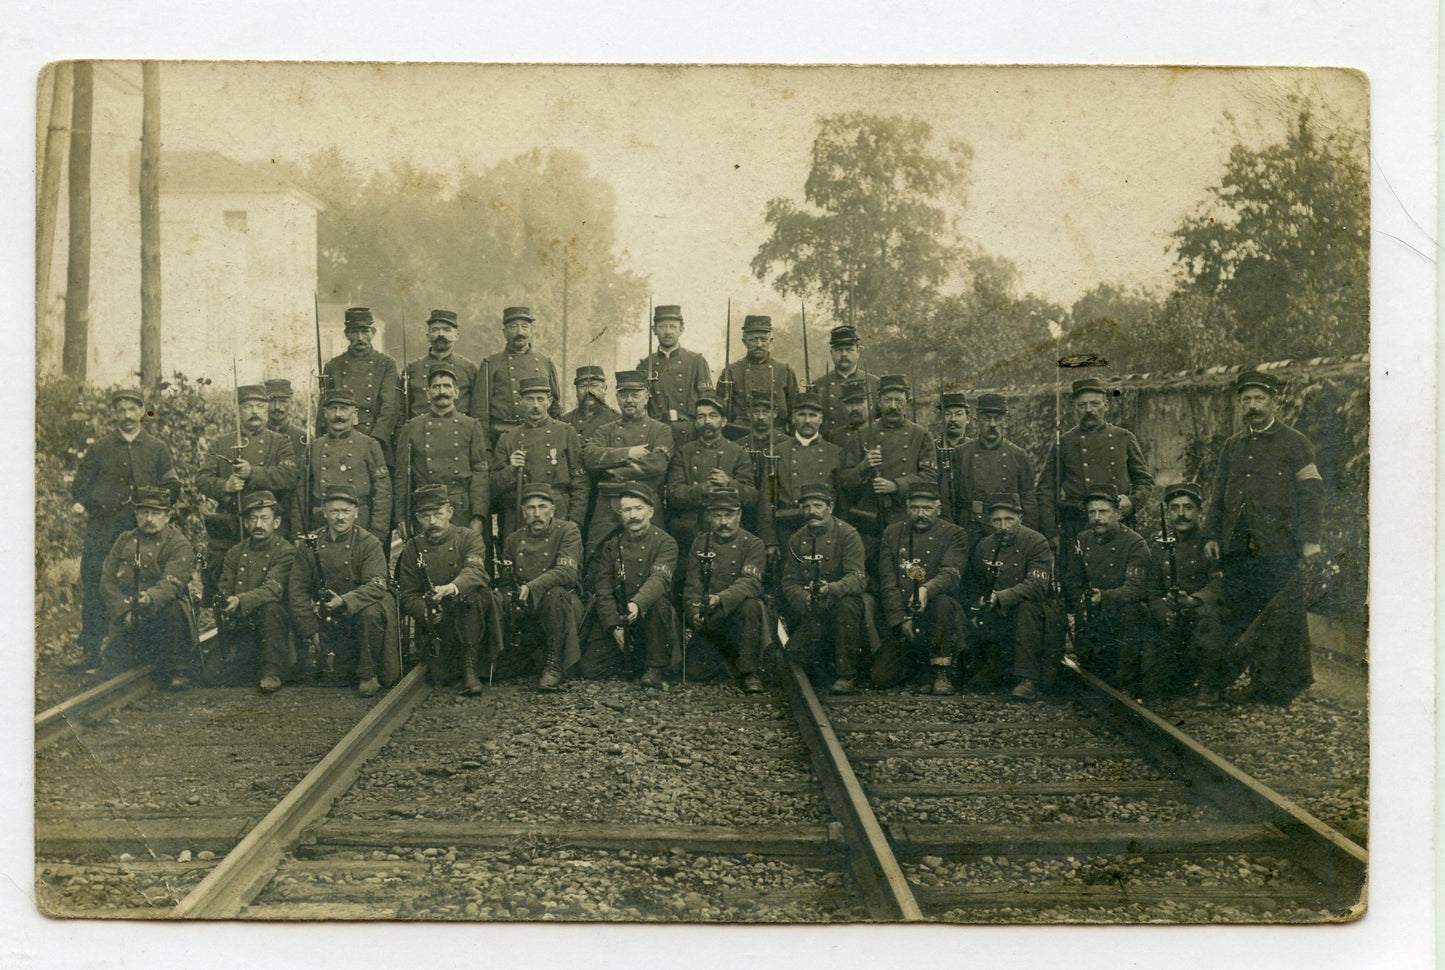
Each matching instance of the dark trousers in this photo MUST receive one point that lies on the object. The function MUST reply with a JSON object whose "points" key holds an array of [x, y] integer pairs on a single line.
{"points": [[731, 645], [1004, 645], [253, 646], [1189, 648], [936, 637], [165, 639], [361, 647], [652, 641], [1108, 645], [830, 636], [548, 638], [1265, 602], [459, 638], [100, 535]]}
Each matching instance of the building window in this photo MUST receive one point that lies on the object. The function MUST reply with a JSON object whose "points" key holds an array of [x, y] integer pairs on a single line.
{"points": [[236, 219]]}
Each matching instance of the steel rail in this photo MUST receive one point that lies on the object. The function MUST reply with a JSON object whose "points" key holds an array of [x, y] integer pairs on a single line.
{"points": [[248, 867]]}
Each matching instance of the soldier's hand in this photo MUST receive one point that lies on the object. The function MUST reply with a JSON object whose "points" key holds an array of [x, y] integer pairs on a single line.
{"points": [[922, 598], [78, 509], [1096, 597], [873, 457], [1054, 542], [1310, 549], [1211, 550], [1126, 506], [518, 459], [718, 478], [234, 482], [241, 469], [442, 592], [523, 592], [335, 602], [633, 612], [823, 591], [906, 628], [884, 486], [713, 602], [143, 599], [774, 553], [620, 636], [477, 524], [992, 600], [637, 452], [231, 604]]}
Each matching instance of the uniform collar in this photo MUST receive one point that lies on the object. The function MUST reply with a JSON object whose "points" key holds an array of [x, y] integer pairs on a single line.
{"points": [[662, 355], [132, 439], [269, 544], [807, 442], [449, 412], [1269, 429]]}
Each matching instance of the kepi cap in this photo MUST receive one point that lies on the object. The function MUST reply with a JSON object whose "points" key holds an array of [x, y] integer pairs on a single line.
{"points": [[340, 493], [1254, 378], [1004, 500], [807, 399], [842, 336], [517, 313], [259, 499], [428, 497], [448, 317], [441, 367], [923, 489], [339, 395], [992, 404], [631, 380], [127, 394], [757, 324], [953, 399], [538, 490], [279, 387], [820, 490], [1088, 385], [662, 313], [892, 382], [1107, 493], [531, 385], [358, 318], [589, 372], [1185, 488], [152, 498], [640, 490], [722, 498]]}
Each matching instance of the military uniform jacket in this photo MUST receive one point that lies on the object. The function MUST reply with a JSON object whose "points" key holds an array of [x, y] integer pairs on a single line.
{"points": [[166, 559], [648, 565], [298, 438], [500, 376], [273, 467], [1026, 567], [112, 468], [258, 573], [843, 564], [1268, 490], [586, 424], [979, 472], [681, 376], [737, 570], [830, 392], [605, 453], [1108, 456], [818, 462], [1195, 573], [450, 450], [747, 377], [416, 381], [1120, 567], [908, 457], [547, 561], [942, 551], [372, 377], [554, 456], [687, 474], [353, 567], [457, 557], [353, 459]]}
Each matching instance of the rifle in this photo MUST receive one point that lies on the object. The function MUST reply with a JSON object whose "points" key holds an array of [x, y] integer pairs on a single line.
{"points": [[1084, 615], [304, 460], [807, 378], [814, 587], [706, 557], [991, 565], [914, 572], [433, 608], [315, 418], [1175, 593], [405, 377], [504, 571], [654, 400], [943, 458], [241, 442], [725, 382], [323, 613], [619, 592]]}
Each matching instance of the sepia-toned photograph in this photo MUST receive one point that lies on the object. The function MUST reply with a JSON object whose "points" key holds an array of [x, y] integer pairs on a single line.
{"points": [[702, 494]]}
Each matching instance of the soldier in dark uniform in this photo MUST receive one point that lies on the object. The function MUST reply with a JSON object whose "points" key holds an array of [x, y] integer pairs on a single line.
{"points": [[883, 461], [988, 465], [442, 572], [763, 444], [278, 419], [441, 336], [1106, 582], [723, 597], [676, 377], [109, 473], [592, 410], [341, 601], [144, 581], [499, 406], [264, 460], [634, 624], [371, 378], [709, 461], [445, 447], [759, 373], [920, 569], [634, 448], [542, 451], [1006, 589], [846, 350], [1265, 516], [253, 620], [824, 586], [545, 557], [345, 456], [1185, 602], [803, 459], [856, 399]]}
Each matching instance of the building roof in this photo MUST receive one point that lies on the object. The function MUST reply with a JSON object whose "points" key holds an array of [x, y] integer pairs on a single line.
{"points": [[203, 172]]}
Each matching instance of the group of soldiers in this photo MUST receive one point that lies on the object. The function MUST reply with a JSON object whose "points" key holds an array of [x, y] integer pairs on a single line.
{"points": [[704, 529]]}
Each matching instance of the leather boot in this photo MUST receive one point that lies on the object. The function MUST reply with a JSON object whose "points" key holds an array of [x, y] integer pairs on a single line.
{"points": [[471, 685]]}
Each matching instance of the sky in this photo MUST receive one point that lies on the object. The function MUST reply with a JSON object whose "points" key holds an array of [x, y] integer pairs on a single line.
{"points": [[1078, 174]]}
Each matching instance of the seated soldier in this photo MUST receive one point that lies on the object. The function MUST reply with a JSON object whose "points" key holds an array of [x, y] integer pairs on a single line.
{"points": [[1005, 589], [542, 564], [633, 623], [1185, 603], [920, 565], [1105, 582], [252, 619], [442, 572], [144, 582], [824, 583], [723, 597], [340, 599]]}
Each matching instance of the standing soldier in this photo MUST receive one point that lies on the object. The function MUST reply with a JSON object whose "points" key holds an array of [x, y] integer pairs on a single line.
{"points": [[803, 459], [499, 406], [1106, 582], [634, 448], [441, 337], [1265, 516], [106, 480], [847, 351], [709, 461], [542, 451], [1006, 589], [723, 596], [261, 459], [676, 377], [1185, 601], [340, 600], [442, 572], [824, 585], [759, 373], [546, 562], [634, 624], [443, 447], [920, 569], [371, 378], [345, 456], [883, 461], [592, 410], [143, 580], [252, 617], [990, 465], [763, 443], [278, 419]]}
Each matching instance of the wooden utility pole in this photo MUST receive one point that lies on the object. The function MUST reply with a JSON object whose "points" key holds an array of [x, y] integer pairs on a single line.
{"points": [[150, 224], [48, 208], [77, 271]]}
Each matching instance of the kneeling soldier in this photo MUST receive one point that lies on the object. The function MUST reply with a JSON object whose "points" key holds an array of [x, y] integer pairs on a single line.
{"points": [[634, 623], [723, 596], [340, 599], [824, 582], [1005, 589], [144, 584], [544, 560], [1185, 603], [1105, 581], [252, 619], [920, 566], [443, 577]]}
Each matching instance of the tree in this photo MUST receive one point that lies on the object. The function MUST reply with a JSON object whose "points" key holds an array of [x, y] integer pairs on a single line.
{"points": [[1283, 241], [875, 236]]}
